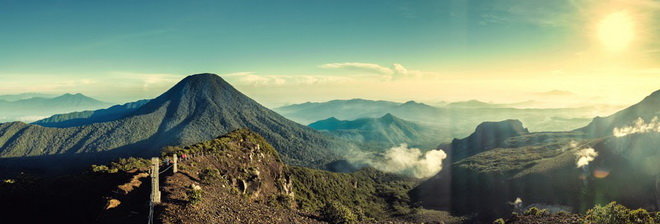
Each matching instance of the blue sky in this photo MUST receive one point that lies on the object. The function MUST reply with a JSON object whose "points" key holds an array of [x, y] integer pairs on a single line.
{"points": [[292, 51]]}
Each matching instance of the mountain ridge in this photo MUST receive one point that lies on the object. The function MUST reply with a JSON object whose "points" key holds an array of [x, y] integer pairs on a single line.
{"points": [[198, 108]]}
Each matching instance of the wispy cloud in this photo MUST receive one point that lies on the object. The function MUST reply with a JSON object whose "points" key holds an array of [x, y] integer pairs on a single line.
{"points": [[254, 79], [110, 86], [555, 93], [358, 66], [394, 72]]}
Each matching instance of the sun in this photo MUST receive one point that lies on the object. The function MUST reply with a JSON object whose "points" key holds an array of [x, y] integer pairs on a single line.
{"points": [[616, 31]]}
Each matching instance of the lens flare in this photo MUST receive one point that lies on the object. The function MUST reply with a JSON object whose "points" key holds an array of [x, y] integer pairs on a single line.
{"points": [[601, 173]]}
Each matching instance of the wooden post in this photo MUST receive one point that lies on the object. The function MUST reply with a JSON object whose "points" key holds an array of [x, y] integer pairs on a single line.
{"points": [[175, 167], [155, 190], [657, 191]]}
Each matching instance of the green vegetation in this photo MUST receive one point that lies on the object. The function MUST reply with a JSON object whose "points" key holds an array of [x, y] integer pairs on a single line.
{"points": [[123, 164], [534, 211], [377, 134], [614, 213], [499, 221], [336, 213], [194, 194], [510, 160], [223, 143], [196, 109], [209, 174], [369, 193]]}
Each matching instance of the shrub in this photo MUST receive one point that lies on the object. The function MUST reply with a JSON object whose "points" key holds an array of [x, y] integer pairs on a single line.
{"points": [[194, 194], [613, 213], [209, 174], [131, 163], [534, 211], [499, 221], [335, 212], [103, 169]]}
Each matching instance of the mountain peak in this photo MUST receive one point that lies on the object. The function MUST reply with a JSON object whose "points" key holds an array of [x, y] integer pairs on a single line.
{"points": [[655, 94], [389, 117], [202, 80], [510, 125], [487, 135], [200, 90]]}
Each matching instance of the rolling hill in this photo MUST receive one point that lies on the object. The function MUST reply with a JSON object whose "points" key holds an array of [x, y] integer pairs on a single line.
{"points": [[198, 108], [383, 132]]}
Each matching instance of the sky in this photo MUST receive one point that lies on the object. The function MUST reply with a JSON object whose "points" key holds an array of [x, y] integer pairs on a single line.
{"points": [[564, 52]]}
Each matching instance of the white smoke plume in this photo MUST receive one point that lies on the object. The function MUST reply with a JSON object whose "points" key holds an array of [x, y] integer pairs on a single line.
{"points": [[585, 156], [640, 126], [409, 161]]}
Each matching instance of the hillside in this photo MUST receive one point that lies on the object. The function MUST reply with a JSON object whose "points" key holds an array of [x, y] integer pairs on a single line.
{"points": [[487, 135], [646, 109], [19, 108], [199, 108], [242, 179], [568, 171], [383, 132], [89, 117]]}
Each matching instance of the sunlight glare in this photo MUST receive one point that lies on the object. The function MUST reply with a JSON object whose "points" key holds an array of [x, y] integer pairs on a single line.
{"points": [[616, 31]]}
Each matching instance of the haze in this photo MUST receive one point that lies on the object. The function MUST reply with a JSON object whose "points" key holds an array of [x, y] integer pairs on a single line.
{"points": [[559, 53]]}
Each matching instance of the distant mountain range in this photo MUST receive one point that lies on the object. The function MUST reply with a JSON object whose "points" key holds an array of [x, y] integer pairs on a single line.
{"points": [[200, 107], [383, 132], [455, 119], [31, 107], [89, 117], [24, 96], [571, 170]]}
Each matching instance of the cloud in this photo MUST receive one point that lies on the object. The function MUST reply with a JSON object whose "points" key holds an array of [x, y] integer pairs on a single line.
{"points": [[555, 93], [253, 79], [394, 72], [116, 86], [409, 161], [360, 67], [640, 126], [585, 156]]}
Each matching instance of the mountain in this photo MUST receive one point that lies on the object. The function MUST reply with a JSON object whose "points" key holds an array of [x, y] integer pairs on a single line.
{"points": [[306, 113], [89, 117], [23, 96], [474, 104], [198, 108], [235, 178], [38, 107], [560, 171], [487, 135], [381, 133], [646, 109], [455, 119]]}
